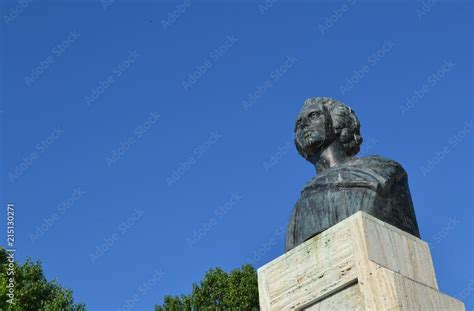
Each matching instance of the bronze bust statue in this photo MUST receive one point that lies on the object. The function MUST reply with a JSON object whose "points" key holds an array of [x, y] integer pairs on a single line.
{"points": [[327, 134]]}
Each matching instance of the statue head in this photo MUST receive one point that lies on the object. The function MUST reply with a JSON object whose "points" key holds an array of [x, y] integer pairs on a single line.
{"points": [[323, 121]]}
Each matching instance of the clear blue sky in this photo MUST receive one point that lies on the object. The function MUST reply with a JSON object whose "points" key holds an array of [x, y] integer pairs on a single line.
{"points": [[182, 127]]}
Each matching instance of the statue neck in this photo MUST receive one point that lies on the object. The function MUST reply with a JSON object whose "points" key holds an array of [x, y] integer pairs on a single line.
{"points": [[331, 156]]}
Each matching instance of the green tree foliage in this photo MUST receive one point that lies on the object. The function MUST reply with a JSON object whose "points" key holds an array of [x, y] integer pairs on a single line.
{"points": [[237, 290], [32, 292]]}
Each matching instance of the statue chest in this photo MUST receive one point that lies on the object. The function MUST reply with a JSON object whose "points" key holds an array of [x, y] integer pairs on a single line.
{"points": [[322, 206]]}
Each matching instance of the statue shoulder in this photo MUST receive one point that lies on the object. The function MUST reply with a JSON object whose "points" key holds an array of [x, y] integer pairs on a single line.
{"points": [[385, 171], [374, 172], [386, 168]]}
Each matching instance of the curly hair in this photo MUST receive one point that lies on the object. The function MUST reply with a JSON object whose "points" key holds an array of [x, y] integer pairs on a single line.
{"points": [[344, 122]]}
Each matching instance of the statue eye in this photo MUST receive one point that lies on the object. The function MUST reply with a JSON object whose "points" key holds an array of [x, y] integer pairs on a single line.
{"points": [[314, 114]]}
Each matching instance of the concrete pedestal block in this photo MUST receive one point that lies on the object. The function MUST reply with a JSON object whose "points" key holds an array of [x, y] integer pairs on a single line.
{"points": [[360, 263]]}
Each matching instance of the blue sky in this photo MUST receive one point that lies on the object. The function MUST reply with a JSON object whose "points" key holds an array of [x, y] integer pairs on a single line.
{"points": [[161, 133]]}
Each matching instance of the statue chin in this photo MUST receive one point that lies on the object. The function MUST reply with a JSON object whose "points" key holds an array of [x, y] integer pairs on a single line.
{"points": [[313, 147]]}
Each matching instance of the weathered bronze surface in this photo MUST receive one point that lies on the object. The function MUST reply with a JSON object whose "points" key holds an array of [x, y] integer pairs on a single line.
{"points": [[327, 134]]}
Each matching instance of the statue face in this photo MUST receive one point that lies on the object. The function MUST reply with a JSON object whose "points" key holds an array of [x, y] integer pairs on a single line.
{"points": [[314, 128]]}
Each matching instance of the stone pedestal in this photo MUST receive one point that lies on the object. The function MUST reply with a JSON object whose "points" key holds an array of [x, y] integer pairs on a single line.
{"points": [[360, 263]]}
